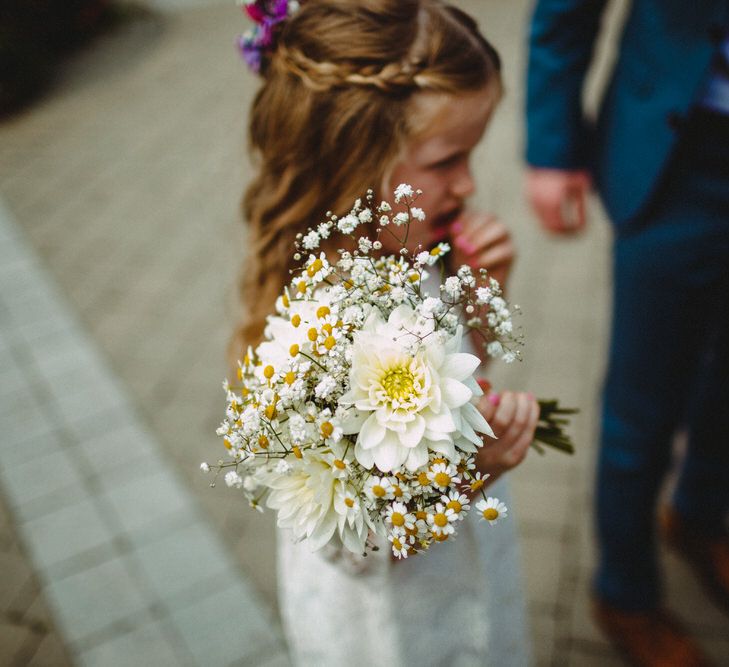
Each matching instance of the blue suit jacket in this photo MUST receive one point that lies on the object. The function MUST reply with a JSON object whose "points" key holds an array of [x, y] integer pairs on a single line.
{"points": [[664, 59]]}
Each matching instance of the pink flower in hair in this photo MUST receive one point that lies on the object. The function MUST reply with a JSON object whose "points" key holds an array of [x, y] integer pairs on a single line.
{"points": [[260, 39]]}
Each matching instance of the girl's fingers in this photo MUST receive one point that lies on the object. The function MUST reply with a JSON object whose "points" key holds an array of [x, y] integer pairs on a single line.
{"points": [[487, 406], [524, 434], [496, 256], [504, 414]]}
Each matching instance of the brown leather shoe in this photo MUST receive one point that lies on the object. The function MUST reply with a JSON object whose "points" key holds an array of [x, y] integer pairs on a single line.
{"points": [[708, 555], [649, 639]]}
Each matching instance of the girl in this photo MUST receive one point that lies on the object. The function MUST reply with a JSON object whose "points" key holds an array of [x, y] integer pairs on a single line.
{"points": [[373, 93]]}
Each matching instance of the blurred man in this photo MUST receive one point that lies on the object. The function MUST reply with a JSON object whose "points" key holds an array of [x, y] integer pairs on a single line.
{"points": [[659, 156]]}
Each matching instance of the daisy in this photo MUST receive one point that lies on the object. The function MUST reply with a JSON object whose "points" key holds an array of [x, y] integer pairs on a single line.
{"points": [[379, 488], [477, 480], [400, 547], [441, 521], [491, 509], [398, 519], [443, 475], [458, 502]]}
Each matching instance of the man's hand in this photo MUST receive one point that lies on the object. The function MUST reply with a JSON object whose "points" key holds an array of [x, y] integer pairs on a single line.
{"points": [[559, 198], [483, 242]]}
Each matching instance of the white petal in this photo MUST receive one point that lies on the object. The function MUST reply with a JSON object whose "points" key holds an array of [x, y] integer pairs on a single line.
{"points": [[389, 454], [476, 419], [353, 422], [412, 436], [371, 434], [417, 457], [441, 422], [323, 532], [455, 393], [459, 366], [364, 457]]}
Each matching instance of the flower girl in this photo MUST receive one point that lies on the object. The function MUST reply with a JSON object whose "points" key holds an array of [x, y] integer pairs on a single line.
{"points": [[362, 94]]}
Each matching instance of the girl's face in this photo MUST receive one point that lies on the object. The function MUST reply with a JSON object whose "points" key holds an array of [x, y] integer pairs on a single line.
{"points": [[437, 161]]}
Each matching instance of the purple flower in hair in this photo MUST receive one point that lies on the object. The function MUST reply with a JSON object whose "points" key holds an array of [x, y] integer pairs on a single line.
{"points": [[259, 39]]}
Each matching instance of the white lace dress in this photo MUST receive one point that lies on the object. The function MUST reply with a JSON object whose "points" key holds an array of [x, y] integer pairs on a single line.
{"points": [[459, 604]]}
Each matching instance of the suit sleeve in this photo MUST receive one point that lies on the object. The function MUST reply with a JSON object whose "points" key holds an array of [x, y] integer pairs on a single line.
{"points": [[562, 36]]}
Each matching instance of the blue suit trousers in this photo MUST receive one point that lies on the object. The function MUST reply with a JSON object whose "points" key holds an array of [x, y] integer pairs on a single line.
{"points": [[669, 364]]}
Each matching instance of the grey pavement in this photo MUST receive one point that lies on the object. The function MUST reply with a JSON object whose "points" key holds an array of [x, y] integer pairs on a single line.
{"points": [[120, 245]]}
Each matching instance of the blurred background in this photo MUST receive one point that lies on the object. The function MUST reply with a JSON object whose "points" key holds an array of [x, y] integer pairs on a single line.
{"points": [[122, 163]]}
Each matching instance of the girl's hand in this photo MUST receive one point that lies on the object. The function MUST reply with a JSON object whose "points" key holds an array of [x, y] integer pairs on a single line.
{"points": [[483, 242], [513, 417]]}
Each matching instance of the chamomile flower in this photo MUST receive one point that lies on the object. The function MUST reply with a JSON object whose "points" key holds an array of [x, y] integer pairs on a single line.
{"points": [[458, 502], [400, 546], [379, 488], [491, 509], [398, 519], [442, 476], [440, 521], [477, 480]]}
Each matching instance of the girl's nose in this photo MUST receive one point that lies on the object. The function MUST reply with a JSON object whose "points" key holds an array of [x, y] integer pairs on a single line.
{"points": [[463, 184]]}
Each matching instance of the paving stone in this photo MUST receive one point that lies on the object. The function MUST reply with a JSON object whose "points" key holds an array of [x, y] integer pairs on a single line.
{"points": [[48, 536], [225, 627], [95, 598], [33, 479], [148, 499], [183, 558], [146, 645]]}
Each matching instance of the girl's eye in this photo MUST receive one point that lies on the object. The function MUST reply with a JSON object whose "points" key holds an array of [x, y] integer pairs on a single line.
{"points": [[447, 162]]}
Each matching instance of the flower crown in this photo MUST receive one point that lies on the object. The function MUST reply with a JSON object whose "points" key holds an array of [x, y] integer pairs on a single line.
{"points": [[260, 39]]}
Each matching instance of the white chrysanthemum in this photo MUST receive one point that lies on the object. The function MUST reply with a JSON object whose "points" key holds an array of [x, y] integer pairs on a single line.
{"points": [[305, 501], [406, 404]]}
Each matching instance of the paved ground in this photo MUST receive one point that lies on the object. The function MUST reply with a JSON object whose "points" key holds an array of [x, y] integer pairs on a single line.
{"points": [[123, 186]]}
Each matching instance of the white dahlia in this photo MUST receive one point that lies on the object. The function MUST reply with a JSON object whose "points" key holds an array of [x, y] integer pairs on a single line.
{"points": [[311, 501], [410, 394]]}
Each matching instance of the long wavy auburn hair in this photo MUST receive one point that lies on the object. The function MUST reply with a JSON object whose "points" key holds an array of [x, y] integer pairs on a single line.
{"points": [[336, 108]]}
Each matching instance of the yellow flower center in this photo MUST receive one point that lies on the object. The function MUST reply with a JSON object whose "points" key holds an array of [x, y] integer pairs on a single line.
{"points": [[329, 342], [455, 506], [263, 441], [313, 334], [297, 452], [290, 377], [322, 311], [349, 502], [490, 514], [379, 491], [435, 252], [423, 479], [399, 383], [338, 463], [314, 267], [420, 514], [397, 544], [441, 538], [440, 520], [268, 372], [398, 491], [476, 484], [301, 287], [397, 519], [294, 350], [326, 429], [285, 300], [227, 444], [296, 319], [442, 479]]}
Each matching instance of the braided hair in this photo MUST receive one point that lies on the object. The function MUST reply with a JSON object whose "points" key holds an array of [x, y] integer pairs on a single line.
{"points": [[338, 102]]}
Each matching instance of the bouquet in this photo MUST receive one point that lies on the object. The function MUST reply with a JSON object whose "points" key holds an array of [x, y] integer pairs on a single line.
{"points": [[355, 416]]}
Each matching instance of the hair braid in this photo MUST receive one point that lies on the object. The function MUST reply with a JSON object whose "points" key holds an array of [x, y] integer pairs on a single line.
{"points": [[336, 107]]}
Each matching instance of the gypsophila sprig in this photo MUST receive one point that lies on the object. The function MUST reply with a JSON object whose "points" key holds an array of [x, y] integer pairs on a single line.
{"points": [[355, 417]]}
